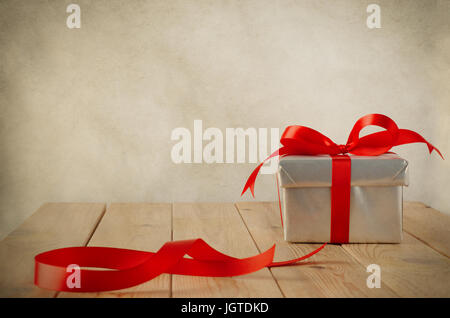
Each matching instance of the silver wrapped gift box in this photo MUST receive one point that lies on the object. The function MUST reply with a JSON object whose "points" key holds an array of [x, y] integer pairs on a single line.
{"points": [[376, 198]]}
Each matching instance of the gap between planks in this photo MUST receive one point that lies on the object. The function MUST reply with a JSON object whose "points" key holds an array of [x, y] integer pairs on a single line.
{"points": [[259, 250], [348, 250], [330, 273], [89, 237], [53, 225], [428, 225], [140, 226], [221, 226], [408, 269]]}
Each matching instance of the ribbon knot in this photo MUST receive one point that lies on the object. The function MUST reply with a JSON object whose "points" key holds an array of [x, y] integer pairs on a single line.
{"points": [[343, 149]]}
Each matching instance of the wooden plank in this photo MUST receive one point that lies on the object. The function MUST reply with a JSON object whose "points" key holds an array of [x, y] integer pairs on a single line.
{"points": [[220, 225], [53, 225], [428, 225], [411, 269], [330, 273], [141, 226]]}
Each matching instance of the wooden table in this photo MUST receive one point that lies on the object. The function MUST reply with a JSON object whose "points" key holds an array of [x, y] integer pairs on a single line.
{"points": [[418, 267]]}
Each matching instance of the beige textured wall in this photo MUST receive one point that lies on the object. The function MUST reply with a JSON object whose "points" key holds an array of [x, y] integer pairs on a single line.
{"points": [[86, 114]]}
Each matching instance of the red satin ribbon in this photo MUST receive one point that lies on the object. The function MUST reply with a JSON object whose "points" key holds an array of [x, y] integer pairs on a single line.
{"points": [[301, 140], [341, 169], [130, 267]]}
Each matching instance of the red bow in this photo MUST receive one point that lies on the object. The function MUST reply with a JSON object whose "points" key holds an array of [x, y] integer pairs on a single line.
{"points": [[301, 140]]}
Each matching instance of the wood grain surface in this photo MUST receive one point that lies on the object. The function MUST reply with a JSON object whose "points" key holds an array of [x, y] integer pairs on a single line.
{"points": [[220, 225], [140, 226], [418, 267], [53, 225]]}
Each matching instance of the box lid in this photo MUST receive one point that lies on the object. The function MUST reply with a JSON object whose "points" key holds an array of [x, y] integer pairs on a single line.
{"points": [[315, 171]]}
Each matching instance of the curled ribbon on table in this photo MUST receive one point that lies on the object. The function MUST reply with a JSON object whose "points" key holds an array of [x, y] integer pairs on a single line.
{"points": [[301, 140], [132, 267]]}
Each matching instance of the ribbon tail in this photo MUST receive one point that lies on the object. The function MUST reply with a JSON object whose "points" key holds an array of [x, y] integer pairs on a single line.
{"points": [[296, 260], [250, 184], [208, 262], [407, 136]]}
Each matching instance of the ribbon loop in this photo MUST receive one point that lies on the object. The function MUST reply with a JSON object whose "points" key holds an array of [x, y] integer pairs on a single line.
{"points": [[379, 120]]}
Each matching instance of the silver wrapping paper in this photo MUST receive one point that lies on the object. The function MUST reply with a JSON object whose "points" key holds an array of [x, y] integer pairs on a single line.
{"points": [[375, 201]]}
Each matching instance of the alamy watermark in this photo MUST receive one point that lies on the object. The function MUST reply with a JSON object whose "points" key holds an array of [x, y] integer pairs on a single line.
{"points": [[374, 279], [74, 279], [212, 145], [73, 21], [374, 19]]}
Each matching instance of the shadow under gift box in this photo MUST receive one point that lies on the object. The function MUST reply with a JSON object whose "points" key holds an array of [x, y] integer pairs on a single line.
{"points": [[376, 198]]}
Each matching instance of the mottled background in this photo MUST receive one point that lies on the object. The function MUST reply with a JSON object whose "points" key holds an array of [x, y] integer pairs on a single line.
{"points": [[87, 114]]}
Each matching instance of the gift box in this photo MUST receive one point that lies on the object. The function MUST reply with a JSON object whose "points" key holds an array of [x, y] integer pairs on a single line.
{"points": [[376, 196], [342, 193]]}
